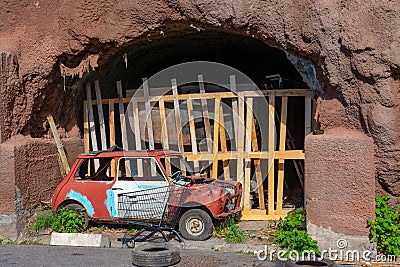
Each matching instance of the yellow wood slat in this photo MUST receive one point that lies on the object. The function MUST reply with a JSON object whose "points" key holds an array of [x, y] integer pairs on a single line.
{"points": [[227, 174], [103, 137], [240, 146], [164, 134], [271, 147], [60, 148], [178, 121], [235, 109], [111, 119], [136, 131], [86, 144], [216, 138], [257, 165], [122, 119], [282, 147], [229, 155], [206, 116], [247, 161], [192, 132], [184, 97]]}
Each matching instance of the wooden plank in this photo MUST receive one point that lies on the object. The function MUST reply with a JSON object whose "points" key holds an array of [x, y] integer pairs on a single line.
{"points": [[307, 111], [102, 125], [247, 161], [206, 116], [288, 154], [86, 144], [60, 148], [192, 132], [221, 95], [122, 119], [164, 134], [92, 127], [254, 215], [271, 148], [216, 138], [235, 109], [227, 174], [257, 165], [149, 122], [178, 120], [240, 146], [111, 116], [136, 132], [282, 148]]}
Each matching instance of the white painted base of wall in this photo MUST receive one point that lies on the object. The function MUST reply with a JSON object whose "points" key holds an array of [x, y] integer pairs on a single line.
{"points": [[79, 240]]}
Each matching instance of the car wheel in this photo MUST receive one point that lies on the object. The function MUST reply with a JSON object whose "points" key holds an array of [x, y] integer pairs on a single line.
{"points": [[155, 254], [327, 263], [196, 224], [82, 212]]}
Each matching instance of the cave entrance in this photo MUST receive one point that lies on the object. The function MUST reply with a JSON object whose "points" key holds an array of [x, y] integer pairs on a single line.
{"points": [[281, 92]]}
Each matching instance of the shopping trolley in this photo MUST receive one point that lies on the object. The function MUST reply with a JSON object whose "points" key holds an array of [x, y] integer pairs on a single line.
{"points": [[155, 209]]}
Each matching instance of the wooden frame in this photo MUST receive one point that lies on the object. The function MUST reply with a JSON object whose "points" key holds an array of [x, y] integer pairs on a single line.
{"points": [[244, 150]]}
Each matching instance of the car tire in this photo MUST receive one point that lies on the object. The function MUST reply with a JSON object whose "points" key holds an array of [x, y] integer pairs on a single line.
{"points": [[82, 212], [196, 224], [155, 254], [326, 263]]}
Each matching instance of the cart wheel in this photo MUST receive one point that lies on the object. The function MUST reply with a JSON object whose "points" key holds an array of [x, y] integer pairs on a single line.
{"points": [[156, 254], [82, 212], [196, 224]]}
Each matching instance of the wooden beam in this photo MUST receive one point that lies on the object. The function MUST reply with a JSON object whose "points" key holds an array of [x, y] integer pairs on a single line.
{"points": [[149, 122], [257, 165], [216, 138], [122, 119], [103, 137], [86, 144], [247, 161], [60, 148], [137, 133], [308, 118], [227, 174], [192, 132], [92, 128], [206, 116], [111, 116], [271, 148], [164, 135], [235, 109], [282, 148], [178, 123], [240, 147]]}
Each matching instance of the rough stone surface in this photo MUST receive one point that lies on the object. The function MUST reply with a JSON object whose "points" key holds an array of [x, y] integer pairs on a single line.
{"points": [[354, 46], [340, 181]]}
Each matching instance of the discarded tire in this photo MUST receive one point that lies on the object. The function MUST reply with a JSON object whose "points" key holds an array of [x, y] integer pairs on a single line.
{"points": [[155, 254], [326, 263], [196, 225]]}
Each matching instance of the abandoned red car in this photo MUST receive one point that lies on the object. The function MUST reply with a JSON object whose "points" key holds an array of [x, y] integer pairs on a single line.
{"points": [[97, 179]]}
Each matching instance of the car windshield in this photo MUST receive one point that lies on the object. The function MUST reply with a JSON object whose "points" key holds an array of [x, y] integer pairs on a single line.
{"points": [[173, 164]]}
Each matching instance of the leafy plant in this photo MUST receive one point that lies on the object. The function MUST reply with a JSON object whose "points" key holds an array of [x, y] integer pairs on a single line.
{"points": [[67, 221], [43, 221], [385, 229], [292, 235], [231, 231]]}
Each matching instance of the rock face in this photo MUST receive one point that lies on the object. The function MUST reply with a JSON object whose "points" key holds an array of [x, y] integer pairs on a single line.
{"points": [[354, 45]]}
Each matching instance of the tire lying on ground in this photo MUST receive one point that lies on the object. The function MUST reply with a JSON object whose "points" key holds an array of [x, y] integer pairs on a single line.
{"points": [[155, 254], [326, 263]]}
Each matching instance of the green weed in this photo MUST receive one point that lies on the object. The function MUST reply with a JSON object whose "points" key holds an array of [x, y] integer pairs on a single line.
{"points": [[385, 229], [292, 236], [230, 231]]}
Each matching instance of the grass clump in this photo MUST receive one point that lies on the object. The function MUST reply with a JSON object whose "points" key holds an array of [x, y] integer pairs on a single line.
{"points": [[230, 231], [62, 221], [292, 235]]}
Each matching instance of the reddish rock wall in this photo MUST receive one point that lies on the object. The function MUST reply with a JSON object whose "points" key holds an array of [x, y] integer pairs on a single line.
{"points": [[354, 45]]}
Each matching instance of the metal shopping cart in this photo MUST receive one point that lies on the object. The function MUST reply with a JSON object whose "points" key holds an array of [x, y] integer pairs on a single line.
{"points": [[156, 209]]}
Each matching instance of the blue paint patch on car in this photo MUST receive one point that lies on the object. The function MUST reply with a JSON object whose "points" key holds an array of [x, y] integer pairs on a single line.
{"points": [[83, 200], [109, 202]]}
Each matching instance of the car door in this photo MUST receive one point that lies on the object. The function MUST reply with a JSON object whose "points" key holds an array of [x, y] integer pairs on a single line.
{"points": [[140, 188]]}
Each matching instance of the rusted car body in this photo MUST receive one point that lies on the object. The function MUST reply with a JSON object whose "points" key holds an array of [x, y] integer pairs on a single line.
{"points": [[96, 180]]}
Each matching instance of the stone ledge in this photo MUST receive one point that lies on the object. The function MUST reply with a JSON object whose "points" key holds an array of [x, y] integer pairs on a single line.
{"points": [[79, 240]]}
